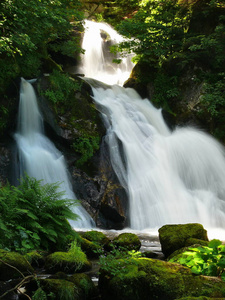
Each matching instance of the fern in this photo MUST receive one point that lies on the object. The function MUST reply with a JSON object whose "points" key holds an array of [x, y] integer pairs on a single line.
{"points": [[34, 216]]}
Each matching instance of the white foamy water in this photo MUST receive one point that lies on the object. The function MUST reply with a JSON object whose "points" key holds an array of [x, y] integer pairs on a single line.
{"points": [[38, 156], [97, 61], [171, 177]]}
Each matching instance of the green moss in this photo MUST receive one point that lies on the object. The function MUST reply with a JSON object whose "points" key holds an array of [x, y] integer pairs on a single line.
{"points": [[12, 264], [85, 285], [34, 258], [193, 241], [161, 280], [96, 236], [60, 289], [173, 237], [67, 262], [129, 241], [91, 249]]}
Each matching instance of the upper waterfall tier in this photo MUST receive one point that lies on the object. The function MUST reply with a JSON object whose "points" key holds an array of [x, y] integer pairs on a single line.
{"points": [[97, 61]]}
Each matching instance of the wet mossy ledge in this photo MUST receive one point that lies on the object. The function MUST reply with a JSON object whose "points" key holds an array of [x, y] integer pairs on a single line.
{"points": [[124, 274]]}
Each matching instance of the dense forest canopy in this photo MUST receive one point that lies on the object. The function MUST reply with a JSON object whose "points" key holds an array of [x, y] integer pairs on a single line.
{"points": [[168, 37]]}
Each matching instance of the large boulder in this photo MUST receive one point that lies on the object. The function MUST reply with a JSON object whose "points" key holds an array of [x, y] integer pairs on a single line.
{"points": [[128, 241], [68, 262], [174, 237], [153, 279], [13, 265]]}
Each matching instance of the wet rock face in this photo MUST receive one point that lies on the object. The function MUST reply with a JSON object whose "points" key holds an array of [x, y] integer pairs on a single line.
{"points": [[101, 194], [94, 181]]}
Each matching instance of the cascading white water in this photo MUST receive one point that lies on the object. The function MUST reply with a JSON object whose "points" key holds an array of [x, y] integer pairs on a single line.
{"points": [[170, 177], [38, 156], [97, 61]]}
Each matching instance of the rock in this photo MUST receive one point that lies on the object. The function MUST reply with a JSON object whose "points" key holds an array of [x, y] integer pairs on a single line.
{"points": [[174, 237], [86, 287], [96, 237], [60, 289], [91, 249], [13, 265], [128, 241], [68, 262], [153, 279], [193, 241], [35, 259]]}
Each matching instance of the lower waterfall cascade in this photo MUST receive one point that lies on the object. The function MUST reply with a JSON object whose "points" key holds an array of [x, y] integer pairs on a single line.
{"points": [[170, 176], [38, 156]]}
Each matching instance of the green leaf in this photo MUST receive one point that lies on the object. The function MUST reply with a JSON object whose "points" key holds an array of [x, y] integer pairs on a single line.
{"points": [[214, 243], [196, 270]]}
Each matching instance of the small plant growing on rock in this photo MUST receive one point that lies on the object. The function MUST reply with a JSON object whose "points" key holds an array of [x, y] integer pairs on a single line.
{"points": [[205, 260]]}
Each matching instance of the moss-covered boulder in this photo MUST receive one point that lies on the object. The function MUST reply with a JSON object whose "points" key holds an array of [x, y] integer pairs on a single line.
{"points": [[174, 237], [129, 241], [154, 279], [76, 287], [67, 262], [13, 265], [59, 289], [96, 237], [35, 259], [193, 241], [91, 249], [87, 289]]}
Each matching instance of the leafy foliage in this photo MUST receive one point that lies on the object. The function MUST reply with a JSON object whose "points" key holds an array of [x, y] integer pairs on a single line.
{"points": [[61, 87], [34, 216], [118, 260], [156, 30], [86, 146], [204, 260], [27, 28]]}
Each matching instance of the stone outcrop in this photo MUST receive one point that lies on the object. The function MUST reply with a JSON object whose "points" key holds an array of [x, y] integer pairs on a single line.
{"points": [[174, 237], [152, 279]]}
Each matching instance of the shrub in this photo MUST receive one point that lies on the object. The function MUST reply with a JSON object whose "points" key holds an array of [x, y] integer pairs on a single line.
{"points": [[204, 260], [34, 216]]}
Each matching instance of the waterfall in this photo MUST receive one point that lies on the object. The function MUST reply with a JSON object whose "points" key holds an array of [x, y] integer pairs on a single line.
{"points": [[97, 61], [38, 156], [170, 176]]}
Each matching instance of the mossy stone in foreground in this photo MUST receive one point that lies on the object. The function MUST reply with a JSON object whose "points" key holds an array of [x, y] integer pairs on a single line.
{"points": [[153, 279], [96, 237], [91, 249], [174, 237], [87, 289], [60, 289], [12, 264], [67, 262], [34, 258], [129, 241]]}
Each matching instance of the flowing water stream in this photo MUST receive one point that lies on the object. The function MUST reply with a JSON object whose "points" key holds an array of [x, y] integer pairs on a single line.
{"points": [[38, 156], [170, 176]]}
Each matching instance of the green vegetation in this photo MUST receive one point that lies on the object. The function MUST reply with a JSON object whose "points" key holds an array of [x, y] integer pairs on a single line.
{"points": [[86, 146], [61, 88], [118, 261], [30, 29], [34, 216], [205, 260], [73, 261]]}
